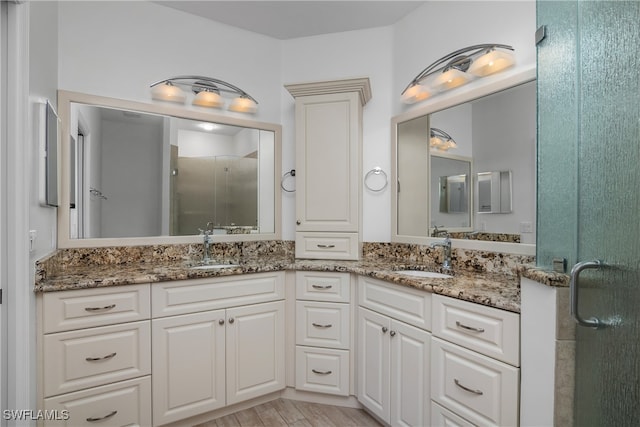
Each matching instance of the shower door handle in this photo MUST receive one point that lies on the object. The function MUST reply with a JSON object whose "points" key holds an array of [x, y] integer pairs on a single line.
{"points": [[592, 322]]}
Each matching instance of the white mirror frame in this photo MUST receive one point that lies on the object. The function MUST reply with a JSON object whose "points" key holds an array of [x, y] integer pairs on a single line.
{"points": [[468, 93], [65, 98]]}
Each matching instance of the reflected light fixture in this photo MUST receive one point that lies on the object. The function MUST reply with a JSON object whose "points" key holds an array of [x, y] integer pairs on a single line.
{"points": [[207, 92], [458, 68], [441, 140]]}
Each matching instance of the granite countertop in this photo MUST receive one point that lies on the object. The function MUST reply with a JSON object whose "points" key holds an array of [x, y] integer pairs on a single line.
{"points": [[495, 290]]}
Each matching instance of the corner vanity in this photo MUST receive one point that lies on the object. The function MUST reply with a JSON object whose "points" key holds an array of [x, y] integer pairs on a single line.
{"points": [[162, 343]]}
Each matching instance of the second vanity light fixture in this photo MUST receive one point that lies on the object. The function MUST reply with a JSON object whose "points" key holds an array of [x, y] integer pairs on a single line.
{"points": [[457, 68], [441, 140], [207, 93]]}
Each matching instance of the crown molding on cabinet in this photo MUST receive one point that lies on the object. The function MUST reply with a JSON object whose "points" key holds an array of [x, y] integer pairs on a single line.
{"points": [[360, 85]]}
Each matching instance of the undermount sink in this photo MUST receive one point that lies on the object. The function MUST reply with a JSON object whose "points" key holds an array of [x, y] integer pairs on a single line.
{"points": [[427, 274], [213, 266]]}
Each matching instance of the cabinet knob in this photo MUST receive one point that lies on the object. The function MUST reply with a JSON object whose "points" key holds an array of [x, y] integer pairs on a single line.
{"points": [[384, 330], [231, 320], [392, 333], [221, 322], [298, 222]]}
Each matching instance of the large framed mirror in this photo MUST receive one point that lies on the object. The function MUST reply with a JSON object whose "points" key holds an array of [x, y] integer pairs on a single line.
{"points": [[438, 187], [135, 173]]}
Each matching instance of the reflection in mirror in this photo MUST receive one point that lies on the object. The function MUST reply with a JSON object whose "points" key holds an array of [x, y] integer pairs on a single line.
{"points": [[495, 132], [494, 192], [450, 192], [138, 174]]}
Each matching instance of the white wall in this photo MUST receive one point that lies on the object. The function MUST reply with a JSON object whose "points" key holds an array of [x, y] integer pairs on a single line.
{"points": [[119, 48]]}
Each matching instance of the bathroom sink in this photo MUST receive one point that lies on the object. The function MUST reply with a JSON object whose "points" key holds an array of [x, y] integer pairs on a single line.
{"points": [[213, 266], [427, 274]]}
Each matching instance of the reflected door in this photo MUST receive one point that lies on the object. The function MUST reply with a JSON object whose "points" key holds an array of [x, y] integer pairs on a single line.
{"points": [[600, 42]]}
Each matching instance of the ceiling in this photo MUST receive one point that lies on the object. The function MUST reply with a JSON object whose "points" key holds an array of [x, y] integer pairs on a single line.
{"points": [[292, 19]]}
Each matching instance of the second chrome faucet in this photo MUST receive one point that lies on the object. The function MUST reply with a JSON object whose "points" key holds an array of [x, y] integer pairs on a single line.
{"points": [[446, 249]]}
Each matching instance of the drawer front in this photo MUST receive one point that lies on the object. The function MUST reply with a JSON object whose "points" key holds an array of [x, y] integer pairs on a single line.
{"points": [[490, 331], [86, 358], [127, 403], [84, 308], [322, 370], [443, 417], [400, 302], [327, 245], [322, 324], [192, 296], [323, 286], [478, 388]]}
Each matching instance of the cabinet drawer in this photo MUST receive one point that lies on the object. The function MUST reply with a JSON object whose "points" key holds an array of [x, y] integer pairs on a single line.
{"points": [[443, 417], [327, 245], [84, 308], [127, 403], [323, 286], [90, 357], [478, 388], [322, 370], [191, 296], [400, 302], [490, 331], [323, 324]]}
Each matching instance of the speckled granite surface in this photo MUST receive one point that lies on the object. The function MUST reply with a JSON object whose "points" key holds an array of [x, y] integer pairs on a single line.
{"points": [[482, 277], [546, 277]]}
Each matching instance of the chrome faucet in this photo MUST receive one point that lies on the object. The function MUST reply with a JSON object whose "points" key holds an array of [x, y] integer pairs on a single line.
{"points": [[206, 240], [446, 246]]}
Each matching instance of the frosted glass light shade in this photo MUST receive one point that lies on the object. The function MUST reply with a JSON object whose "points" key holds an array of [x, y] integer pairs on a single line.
{"points": [[492, 62], [450, 79], [415, 94], [208, 99], [243, 105], [441, 143], [168, 92]]}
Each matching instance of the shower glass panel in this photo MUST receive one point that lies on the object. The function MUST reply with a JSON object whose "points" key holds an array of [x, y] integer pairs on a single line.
{"points": [[589, 154]]}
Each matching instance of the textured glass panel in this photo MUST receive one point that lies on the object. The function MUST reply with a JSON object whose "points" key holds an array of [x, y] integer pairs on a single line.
{"points": [[557, 134], [607, 360]]}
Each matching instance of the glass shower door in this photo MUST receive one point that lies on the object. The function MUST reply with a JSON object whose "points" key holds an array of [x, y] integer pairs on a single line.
{"points": [[600, 142]]}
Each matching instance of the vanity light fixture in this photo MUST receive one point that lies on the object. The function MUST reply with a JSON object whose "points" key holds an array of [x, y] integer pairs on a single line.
{"points": [[207, 92], [458, 68], [441, 140]]}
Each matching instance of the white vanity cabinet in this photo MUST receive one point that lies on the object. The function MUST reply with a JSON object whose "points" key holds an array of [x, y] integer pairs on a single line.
{"points": [[394, 352], [95, 355], [323, 332], [474, 363], [328, 167], [216, 342]]}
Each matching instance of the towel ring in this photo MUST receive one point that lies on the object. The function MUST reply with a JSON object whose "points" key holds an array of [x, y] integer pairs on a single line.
{"points": [[376, 171], [291, 173]]}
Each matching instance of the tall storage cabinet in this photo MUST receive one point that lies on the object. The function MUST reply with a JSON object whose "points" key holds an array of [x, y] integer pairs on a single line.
{"points": [[329, 167]]}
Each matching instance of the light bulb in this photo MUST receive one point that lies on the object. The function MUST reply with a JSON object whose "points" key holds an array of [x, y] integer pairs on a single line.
{"points": [[208, 99], [243, 105], [168, 92], [493, 61], [450, 79], [415, 93]]}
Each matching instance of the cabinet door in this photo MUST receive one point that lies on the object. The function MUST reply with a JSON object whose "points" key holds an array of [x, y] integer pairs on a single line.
{"points": [[410, 379], [374, 362], [327, 162], [255, 351], [188, 365]]}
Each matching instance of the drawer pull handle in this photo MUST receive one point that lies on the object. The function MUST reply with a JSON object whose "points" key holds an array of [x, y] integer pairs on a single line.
{"points": [[320, 372], [94, 419], [384, 329], [470, 390], [326, 246], [322, 286], [469, 328], [105, 308], [392, 333], [317, 325], [98, 359]]}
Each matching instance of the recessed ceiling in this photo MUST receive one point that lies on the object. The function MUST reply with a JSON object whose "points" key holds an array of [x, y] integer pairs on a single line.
{"points": [[293, 19]]}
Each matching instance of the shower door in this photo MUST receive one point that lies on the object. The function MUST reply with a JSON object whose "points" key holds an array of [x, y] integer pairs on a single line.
{"points": [[589, 192]]}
